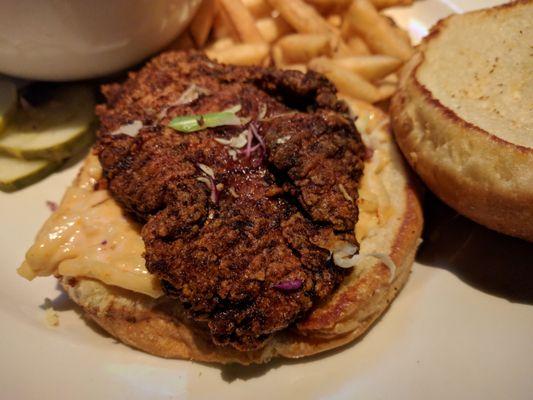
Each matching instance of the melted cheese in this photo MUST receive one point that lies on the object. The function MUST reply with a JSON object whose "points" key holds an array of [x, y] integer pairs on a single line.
{"points": [[375, 206], [89, 236]]}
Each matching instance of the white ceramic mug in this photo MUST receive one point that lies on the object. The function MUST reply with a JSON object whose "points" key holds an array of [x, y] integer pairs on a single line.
{"points": [[78, 39]]}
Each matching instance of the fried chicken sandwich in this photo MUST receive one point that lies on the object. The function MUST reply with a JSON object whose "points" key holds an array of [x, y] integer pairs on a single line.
{"points": [[232, 214]]}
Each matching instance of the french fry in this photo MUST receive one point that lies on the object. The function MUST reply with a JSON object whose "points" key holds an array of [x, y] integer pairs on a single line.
{"points": [[391, 78], [222, 28], [240, 54], [370, 67], [277, 56], [357, 46], [400, 32], [345, 29], [302, 47], [272, 29], [221, 44], [386, 90], [359, 107], [376, 30], [379, 4], [346, 81], [183, 42], [242, 21], [339, 48], [335, 20], [301, 16], [200, 25], [258, 8], [329, 6]]}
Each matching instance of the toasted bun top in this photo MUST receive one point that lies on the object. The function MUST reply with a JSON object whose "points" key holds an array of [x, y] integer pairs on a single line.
{"points": [[480, 66], [462, 115]]}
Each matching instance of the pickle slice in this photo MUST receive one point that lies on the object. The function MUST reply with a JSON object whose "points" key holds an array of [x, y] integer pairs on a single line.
{"points": [[8, 102], [53, 130], [16, 174]]}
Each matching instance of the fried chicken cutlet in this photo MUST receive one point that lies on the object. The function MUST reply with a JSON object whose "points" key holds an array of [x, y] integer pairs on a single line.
{"points": [[239, 220]]}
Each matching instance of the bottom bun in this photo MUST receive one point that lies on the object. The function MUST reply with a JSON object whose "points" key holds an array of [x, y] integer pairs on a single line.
{"points": [[388, 231]]}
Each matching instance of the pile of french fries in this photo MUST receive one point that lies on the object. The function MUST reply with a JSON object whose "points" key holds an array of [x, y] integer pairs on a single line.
{"points": [[350, 41]]}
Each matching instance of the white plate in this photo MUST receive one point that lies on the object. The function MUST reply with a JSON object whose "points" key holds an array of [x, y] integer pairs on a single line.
{"points": [[461, 329]]}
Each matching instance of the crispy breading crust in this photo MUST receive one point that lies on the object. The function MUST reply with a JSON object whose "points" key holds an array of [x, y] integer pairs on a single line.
{"points": [[278, 212]]}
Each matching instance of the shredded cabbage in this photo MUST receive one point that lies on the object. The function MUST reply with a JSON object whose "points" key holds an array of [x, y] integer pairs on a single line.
{"points": [[344, 256], [197, 122], [132, 129]]}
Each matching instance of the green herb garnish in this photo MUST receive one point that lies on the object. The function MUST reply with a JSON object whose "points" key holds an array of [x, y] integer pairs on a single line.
{"points": [[197, 122]]}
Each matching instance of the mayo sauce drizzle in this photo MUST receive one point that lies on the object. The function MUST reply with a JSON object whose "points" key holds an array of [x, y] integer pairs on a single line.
{"points": [[89, 236]]}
